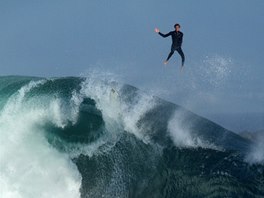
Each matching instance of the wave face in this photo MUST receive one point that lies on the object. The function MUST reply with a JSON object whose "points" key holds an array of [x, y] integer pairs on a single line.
{"points": [[94, 137]]}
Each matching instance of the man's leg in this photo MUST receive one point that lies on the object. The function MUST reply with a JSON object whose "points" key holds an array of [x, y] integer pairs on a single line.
{"points": [[179, 50], [169, 56]]}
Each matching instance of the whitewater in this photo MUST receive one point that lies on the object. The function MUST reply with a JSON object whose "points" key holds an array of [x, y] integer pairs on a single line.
{"points": [[96, 137]]}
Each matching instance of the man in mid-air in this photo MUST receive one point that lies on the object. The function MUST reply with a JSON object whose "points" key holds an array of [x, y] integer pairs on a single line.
{"points": [[176, 36]]}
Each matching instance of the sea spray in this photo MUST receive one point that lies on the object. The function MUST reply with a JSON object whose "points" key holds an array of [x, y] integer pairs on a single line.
{"points": [[117, 111]]}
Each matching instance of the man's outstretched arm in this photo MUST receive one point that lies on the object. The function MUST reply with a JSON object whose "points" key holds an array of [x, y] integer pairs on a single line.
{"points": [[163, 35]]}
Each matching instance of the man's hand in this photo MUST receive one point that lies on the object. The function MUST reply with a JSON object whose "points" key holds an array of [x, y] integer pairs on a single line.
{"points": [[157, 30]]}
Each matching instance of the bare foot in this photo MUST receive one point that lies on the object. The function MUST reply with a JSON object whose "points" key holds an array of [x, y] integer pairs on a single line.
{"points": [[165, 62], [182, 68]]}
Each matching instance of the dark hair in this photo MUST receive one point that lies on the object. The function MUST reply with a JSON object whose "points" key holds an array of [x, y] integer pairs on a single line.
{"points": [[177, 24]]}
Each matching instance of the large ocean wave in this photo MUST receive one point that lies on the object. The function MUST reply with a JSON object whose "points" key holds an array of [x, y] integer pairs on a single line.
{"points": [[95, 137]]}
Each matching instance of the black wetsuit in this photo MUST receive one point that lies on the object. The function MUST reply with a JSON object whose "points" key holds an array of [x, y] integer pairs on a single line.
{"points": [[176, 43]]}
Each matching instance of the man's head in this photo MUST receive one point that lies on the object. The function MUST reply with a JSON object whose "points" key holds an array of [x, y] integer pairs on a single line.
{"points": [[177, 27]]}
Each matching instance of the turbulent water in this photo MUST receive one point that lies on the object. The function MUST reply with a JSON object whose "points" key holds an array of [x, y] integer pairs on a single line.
{"points": [[94, 137]]}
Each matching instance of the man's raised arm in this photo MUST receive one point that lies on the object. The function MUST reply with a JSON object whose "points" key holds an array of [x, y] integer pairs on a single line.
{"points": [[163, 35]]}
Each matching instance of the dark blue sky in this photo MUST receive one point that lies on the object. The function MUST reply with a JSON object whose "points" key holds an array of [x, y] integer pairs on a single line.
{"points": [[223, 43]]}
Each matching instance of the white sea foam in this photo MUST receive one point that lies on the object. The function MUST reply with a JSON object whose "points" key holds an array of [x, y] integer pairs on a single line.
{"points": [[29, 166], [180, 132], [132, 114], [256, 154]]}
